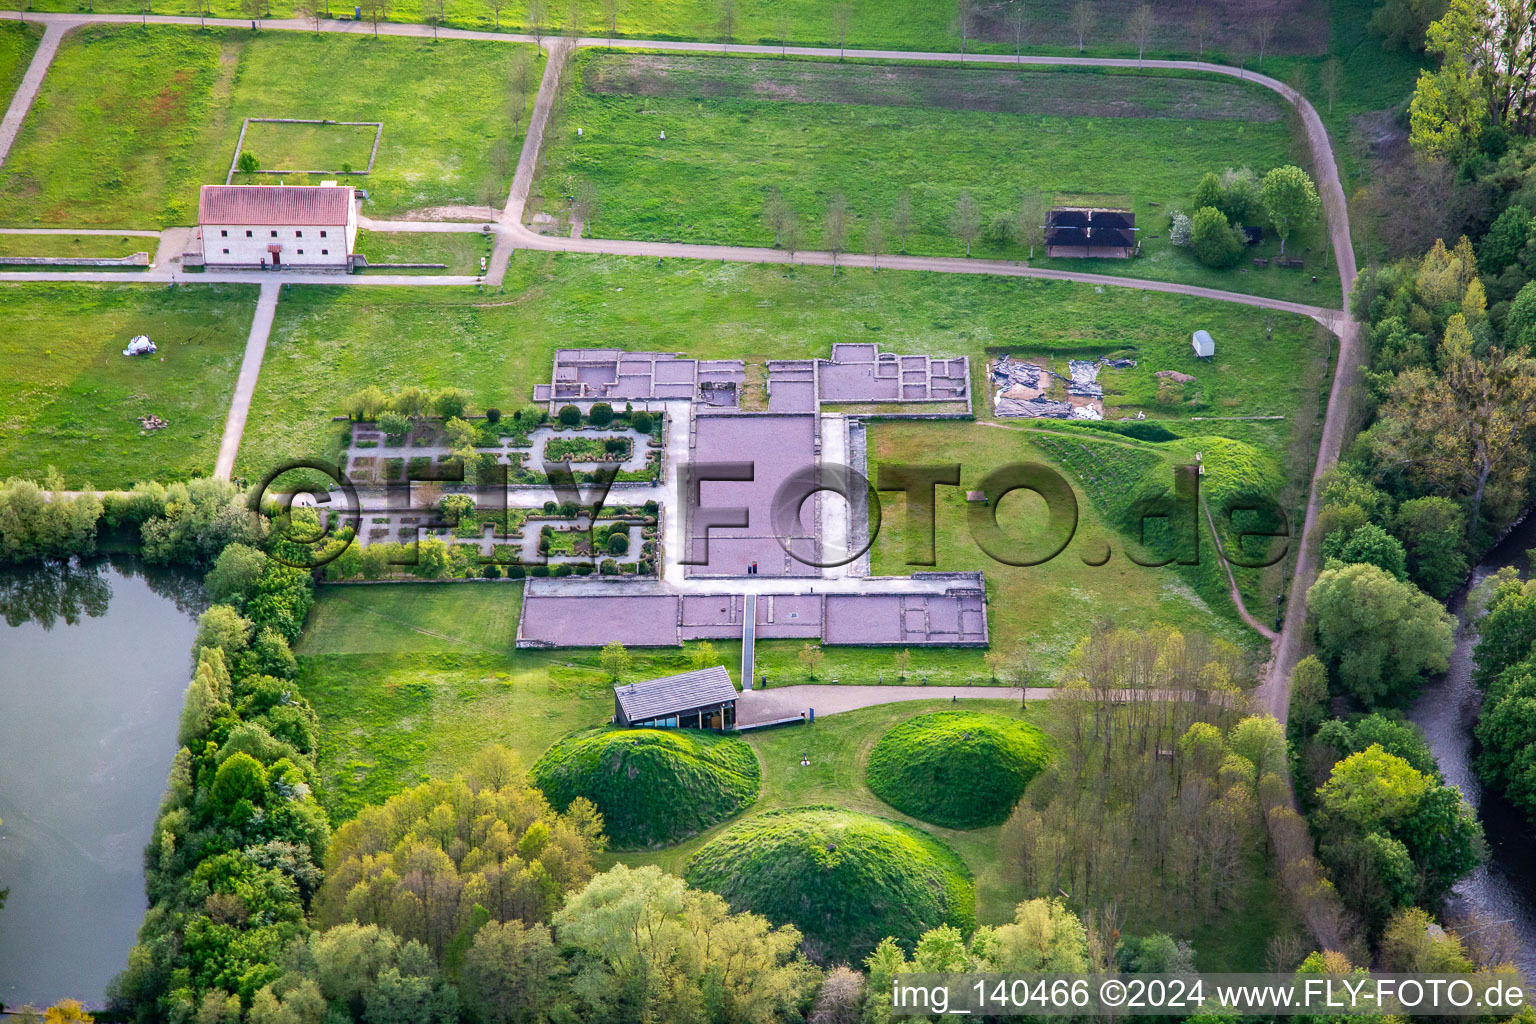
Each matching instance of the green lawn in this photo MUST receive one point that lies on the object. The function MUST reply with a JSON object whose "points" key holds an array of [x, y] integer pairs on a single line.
{"points": [[84, 246], [736, 128], [460, 251], [131, 121], [18, 41], [410, 681], [69, 398], [280, 146]]}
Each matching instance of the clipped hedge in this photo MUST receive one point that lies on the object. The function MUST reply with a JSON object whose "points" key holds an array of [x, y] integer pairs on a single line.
{"points": [[959, 769], [846, 880], [654, 787]]}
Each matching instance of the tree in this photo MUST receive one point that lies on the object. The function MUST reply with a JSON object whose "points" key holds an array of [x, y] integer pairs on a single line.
{"points": [[616, 660], [1044, 936], [966, 220], [790, 235], [1329, 77], [67, 1011], [1466, 428], [1309, 694], [247, 163], [781, 26], [375, 11], [1082, 21], [1200, 24], [510, 973], [874, 240], [538, 13], [842, 14], [965, 13], [394, 424], [611, 18], [1018, 19], [703, 655], [1261, 740], [811, 657], [727, 23], [309, 11], [429, 859], [573, 18], [903, 659], [569, 415], [835, 224], [1263, 31], [775, 212], [1371, 545], [1290, 199], [584, 204], [901, 220], [840, 998], [1377, 633], [496, 6], [647, 947], [1140, 24], [1213, 241], [234, 574], [1029, 223], [252, 9], [432, 10], [1520, 322], [1403, 23], [1433, 532]]}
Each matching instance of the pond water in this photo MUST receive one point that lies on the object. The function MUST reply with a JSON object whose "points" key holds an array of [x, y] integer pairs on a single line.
{"points": [[1502, 892], [93, 665]]}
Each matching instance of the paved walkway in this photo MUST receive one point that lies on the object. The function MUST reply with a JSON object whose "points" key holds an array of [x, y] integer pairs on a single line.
{"points": [[245, 386], [26, 92], [758, 706]]}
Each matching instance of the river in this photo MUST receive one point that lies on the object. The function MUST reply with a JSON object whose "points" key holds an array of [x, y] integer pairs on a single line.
{"points": [[1504, 889], [92, 674]]}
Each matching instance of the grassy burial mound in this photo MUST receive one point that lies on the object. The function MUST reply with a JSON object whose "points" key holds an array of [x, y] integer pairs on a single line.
{"points": [[654, 787], [846, 880], [959, 769]]}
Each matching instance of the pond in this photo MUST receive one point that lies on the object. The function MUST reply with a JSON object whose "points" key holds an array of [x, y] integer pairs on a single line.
{"points": [[91, 684]]}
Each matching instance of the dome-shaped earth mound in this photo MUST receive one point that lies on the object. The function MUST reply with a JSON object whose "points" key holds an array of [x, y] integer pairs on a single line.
{"points": [[846, 880], [959, 769], [654, 787]]}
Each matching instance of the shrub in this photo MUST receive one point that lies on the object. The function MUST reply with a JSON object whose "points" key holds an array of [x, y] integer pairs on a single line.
{"points": [[615, 444], [516, 572], [641, 421], [846, 880], [493, 415], [653, 787], [618, 543], [569, 415], [959, 769], [450, 402], [394, 424], [600, 415], [1213, 241], [608, 567], [1179, 230], [563, 569]]}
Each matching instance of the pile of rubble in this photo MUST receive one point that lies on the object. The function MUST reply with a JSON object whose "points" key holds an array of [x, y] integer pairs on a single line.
{"points": [[1021, 389], [152, 422]]}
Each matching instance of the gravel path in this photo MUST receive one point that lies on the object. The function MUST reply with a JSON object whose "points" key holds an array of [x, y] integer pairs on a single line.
{"points": [[245, 385]]}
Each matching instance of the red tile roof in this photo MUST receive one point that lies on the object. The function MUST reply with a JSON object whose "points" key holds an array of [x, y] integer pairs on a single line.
{"points": [[298, 205]]}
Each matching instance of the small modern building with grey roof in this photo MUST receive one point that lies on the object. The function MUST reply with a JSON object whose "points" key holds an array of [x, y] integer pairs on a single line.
{"points": [[702, 699]]}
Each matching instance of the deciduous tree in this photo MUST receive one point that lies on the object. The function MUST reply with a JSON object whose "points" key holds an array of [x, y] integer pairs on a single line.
{"points": [[1290, 198]]}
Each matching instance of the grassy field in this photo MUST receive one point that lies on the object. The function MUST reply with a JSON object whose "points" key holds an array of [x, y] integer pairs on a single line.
{"points": [[18, 41], [279, 146], [85, 246], [328, 342], [69, 398], [737, 128], [130, 120], [904, 24], [461, 252]]}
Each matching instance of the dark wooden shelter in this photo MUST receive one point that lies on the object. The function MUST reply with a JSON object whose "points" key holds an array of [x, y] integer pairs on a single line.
{"points": [[702, 699]]}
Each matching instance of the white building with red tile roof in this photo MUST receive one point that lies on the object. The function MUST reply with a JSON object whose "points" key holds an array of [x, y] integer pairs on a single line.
{"points": [[307, 227]]}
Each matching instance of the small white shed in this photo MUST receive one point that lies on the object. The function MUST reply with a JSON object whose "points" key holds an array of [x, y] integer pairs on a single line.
{"points": [[1204, 347]]}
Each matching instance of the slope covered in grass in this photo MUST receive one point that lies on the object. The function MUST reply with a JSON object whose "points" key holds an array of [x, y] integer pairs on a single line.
{"points": [[846, 880], [653, 787], [959, 769]]}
